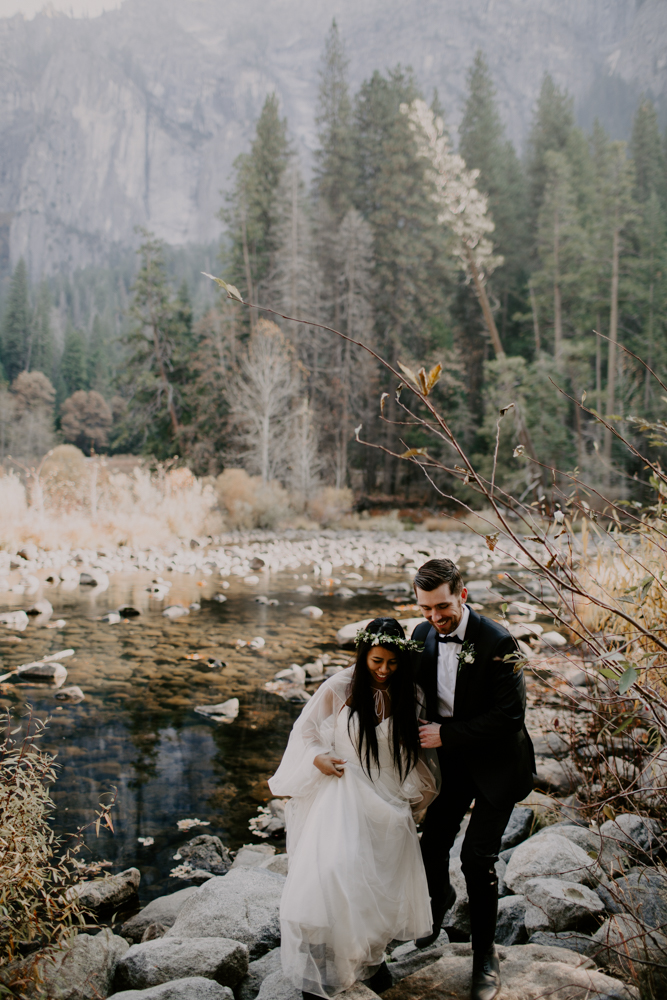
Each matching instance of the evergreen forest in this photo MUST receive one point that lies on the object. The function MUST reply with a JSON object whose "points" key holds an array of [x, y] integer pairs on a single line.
{"points": [[573, 283]]}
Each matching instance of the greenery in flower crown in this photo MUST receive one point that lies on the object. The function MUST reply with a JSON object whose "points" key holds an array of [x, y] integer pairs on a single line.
{"points": [[381, 639]]}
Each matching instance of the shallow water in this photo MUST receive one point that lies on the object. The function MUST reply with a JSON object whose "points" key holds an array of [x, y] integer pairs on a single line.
{"points": [[137, 729]]}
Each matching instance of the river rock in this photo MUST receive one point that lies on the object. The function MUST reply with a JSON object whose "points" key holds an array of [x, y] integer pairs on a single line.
{"points": [[277, 987], [41, 607], [528, 972], [253, 855], [457, 920], [72, 694], [279, 864], [518, 827], [634, 952], [17, 620], [162, 911], [555, 776], [83, 970], [43, 673], [634, 834], [243, 904], [552, 904], [175, 611], [643, 893], [346, 635], [168, 958], [258, 971], [549, 856], [107, 893], [312, 611], [190, 988], [225, 711], [408, 958], [208, 853], [590, 841], [583, 944], [510, 927]]}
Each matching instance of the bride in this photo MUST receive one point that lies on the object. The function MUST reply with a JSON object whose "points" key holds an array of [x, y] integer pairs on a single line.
{"points": [[356, 776]]}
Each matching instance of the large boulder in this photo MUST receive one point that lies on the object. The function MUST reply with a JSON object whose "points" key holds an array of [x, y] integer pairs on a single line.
{"points": [[528, 972], [518, 827], [408, 958], [552, 904], [555, 776], [277, 987], [635, 952], [633, 834], [598, 848], [190, 988], [164, 959], [549, 856], [162, 910], [207, 853], [83, 970], [643, 894], [243, 905], [583, 944], [107, 893], [510, 925], [258, 970], [253, 855]]}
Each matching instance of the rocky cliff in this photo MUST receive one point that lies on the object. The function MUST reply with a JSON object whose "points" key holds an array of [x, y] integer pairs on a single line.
{"points": [[135, 117]]}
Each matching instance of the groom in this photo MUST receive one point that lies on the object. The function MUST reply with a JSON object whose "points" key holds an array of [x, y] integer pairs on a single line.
{"points": [[475, 706]]}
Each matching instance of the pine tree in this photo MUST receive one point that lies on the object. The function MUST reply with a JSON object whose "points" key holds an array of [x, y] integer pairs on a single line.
{"points": [[41, 353], [98, 361], [647, 154], [334, 160], [552, 126], [484, 148], [73, 375], [17, 327], [251, 216]]}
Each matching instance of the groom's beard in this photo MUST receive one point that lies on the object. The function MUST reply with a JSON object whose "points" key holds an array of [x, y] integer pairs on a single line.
{"points": [[448, 625]]}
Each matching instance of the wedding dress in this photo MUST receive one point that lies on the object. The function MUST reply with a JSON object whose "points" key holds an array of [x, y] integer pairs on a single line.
{"points": [[356, 879]]}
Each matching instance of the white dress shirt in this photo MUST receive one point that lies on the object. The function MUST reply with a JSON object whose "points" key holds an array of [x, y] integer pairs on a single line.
{"points": [[448, 664]]}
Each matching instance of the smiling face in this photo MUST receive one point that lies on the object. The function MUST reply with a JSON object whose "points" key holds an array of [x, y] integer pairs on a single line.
{"points": [[381, 663], [442, 608]]}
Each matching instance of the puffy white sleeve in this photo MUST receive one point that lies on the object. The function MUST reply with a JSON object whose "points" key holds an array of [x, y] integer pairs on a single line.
{"points": [[312, 734]]}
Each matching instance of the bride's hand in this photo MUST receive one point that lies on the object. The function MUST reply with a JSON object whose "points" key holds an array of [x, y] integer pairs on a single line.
{"points": [[329, 765]]}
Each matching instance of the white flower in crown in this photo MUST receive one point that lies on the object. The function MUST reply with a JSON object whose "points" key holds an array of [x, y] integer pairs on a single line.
{"points": [[467, 654]]}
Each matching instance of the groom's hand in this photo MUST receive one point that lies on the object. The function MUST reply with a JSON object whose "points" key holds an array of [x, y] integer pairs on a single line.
{"points": [[429, 734]]}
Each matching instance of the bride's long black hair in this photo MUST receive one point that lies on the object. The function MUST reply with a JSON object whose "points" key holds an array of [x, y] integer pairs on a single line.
{"points": [[404, 730]]}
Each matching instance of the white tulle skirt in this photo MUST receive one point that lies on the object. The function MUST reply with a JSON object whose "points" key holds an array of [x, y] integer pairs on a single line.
{"points": [[356, 878]]}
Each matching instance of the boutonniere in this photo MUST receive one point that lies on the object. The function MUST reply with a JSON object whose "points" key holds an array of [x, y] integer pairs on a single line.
{"points": [[467, 654]]}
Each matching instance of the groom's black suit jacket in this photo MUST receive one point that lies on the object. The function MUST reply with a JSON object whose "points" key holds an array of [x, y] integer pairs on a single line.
{"points": [[486, 736]]}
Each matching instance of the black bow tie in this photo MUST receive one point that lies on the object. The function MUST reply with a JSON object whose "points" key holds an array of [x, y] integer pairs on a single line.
{"points": [[450, 638]]}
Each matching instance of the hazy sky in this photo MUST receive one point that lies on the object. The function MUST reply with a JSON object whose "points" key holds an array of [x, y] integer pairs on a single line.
{"points": [[77, 8]]}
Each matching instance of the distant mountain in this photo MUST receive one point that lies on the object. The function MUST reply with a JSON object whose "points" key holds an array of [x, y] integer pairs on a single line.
{"points": [[135, 117]]}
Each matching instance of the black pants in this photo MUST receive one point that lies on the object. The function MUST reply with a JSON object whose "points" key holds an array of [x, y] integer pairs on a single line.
{"points": [[478, 856]]}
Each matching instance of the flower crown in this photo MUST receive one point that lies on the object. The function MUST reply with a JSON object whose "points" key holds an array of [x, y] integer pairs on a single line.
{"points": [[381, 639]]}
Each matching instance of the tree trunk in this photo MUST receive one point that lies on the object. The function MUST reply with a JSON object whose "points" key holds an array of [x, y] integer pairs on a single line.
{"points": [[536, 322], [163, 374], [613, 337], [558, 316], [485, 304]]}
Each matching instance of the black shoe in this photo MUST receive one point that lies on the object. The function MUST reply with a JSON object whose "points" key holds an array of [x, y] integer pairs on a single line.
{"points": [[485, 975], [438, 913], [381, 980]]}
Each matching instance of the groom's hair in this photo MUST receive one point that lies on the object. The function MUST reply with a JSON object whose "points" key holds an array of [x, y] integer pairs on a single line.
{"points": [[436, 572]]}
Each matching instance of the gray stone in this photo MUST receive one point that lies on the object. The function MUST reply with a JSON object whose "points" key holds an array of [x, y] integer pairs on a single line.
{"points": [[457, 919], [190, 988], [549, 856], [207, 853], [43, 673], [634, 952], [634, 834], [643, 893], [168, 958], [407, 958], [583, 944], [552, 904], [258, 970], [153, 931], [277, 987], [84, 970], [162, 910], [598, 848], [510, 926], [253, 855], [555, 776], [528, 972], [107, 893], [518, 827], [278, 864], [243, 904], [72, 694]]}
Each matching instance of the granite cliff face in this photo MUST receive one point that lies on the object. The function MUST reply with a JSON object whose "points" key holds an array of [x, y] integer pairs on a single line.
{"points": [[135, 117]]}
